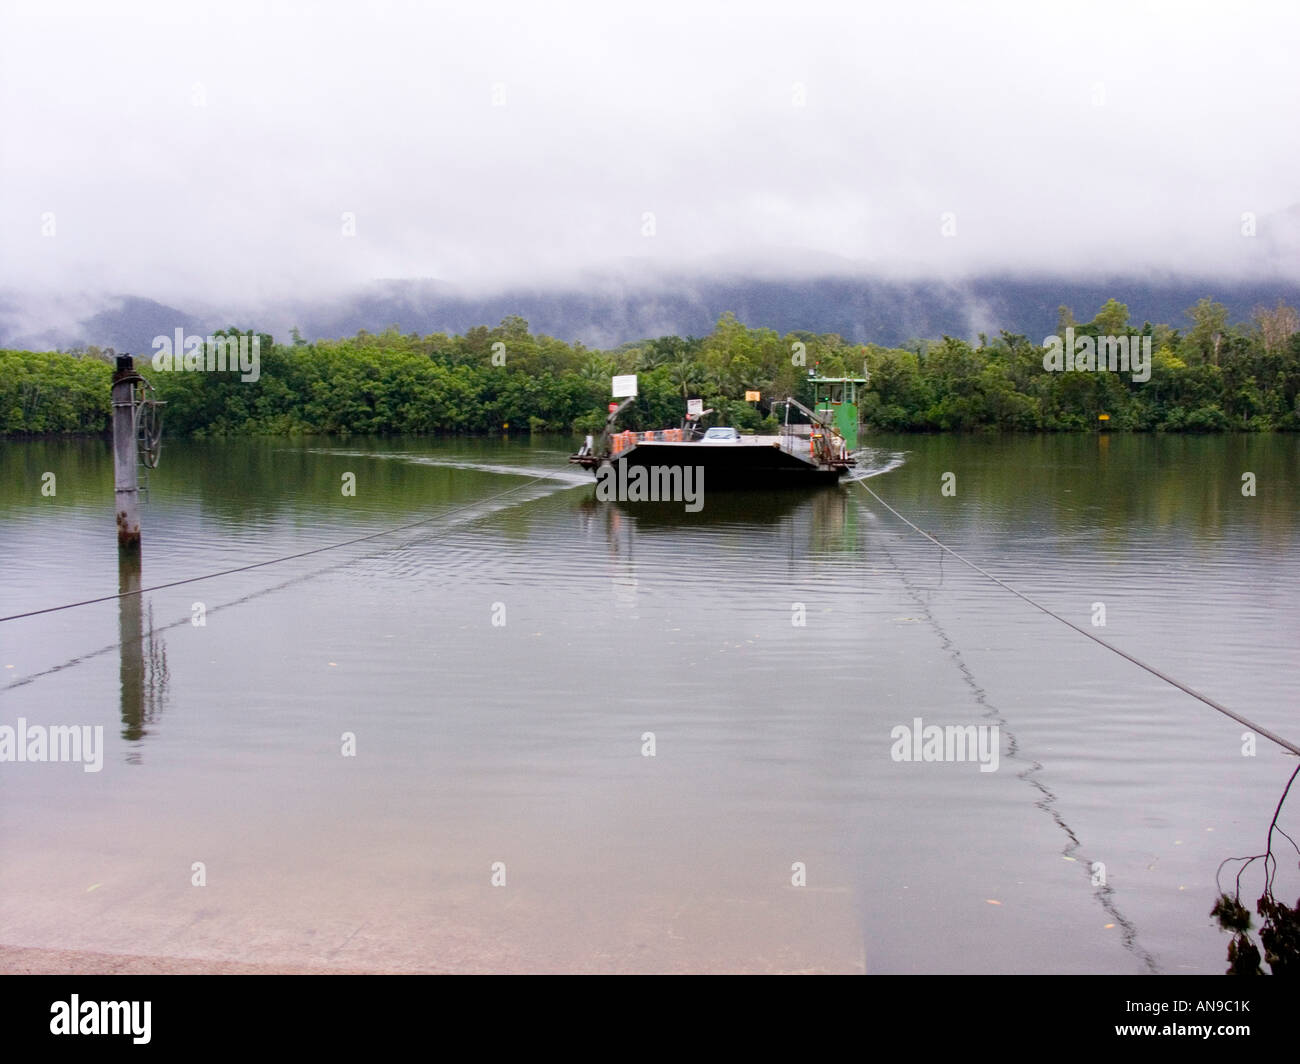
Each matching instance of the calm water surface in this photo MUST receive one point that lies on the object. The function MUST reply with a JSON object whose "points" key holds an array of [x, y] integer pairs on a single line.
{"points": [[518, 745]]}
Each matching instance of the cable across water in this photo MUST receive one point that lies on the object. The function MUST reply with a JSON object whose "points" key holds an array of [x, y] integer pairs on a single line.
{"points": [[1286, 744], [272, 561]]}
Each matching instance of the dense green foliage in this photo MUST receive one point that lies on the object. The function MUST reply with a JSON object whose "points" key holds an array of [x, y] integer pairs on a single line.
{"points": [[48, 392], [1214, 376]]}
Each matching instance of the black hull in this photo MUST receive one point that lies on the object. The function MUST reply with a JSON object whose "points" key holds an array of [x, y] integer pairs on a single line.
{"points": [[725, 466]]}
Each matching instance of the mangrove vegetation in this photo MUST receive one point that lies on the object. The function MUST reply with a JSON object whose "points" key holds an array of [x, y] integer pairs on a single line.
{"points": [[1208, 375]]}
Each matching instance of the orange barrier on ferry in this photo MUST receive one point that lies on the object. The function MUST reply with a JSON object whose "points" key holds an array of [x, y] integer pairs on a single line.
{"points": [[622, 441]]}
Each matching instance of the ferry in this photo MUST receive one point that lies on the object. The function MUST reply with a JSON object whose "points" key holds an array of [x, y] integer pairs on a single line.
{"points": [[802, 454]]}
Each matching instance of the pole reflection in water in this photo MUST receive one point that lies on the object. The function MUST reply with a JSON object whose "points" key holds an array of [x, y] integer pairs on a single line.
{"points": [[143, 669]]}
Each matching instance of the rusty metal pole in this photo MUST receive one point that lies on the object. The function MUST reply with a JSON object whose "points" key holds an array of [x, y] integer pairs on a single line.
{"points": [[126, 487]]}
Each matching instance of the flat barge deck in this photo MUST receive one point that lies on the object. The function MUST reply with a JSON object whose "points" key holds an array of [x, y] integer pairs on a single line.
{"points": [[751, 461]]}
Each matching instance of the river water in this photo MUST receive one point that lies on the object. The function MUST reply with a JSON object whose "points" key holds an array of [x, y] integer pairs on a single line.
{"points": [[539, 732]]}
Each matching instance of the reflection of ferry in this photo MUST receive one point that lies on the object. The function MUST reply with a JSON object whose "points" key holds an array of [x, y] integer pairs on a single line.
{"points": [[817, 452]]}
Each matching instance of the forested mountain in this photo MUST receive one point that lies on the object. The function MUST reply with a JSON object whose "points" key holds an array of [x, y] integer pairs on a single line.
{"points": [[620, 308]]}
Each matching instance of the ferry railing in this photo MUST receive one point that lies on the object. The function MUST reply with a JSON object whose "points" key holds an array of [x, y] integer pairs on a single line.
{"points": [[825, 445]]}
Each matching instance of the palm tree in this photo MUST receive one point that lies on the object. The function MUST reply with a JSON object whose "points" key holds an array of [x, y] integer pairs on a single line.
{"points": [[688, 374], [596, 370]]}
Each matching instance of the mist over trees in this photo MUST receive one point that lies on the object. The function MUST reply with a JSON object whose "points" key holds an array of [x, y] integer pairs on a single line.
{"points": [[1208, 375]]}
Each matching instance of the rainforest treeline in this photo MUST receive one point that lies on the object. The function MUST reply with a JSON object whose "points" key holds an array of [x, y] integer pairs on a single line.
{"points": [[1213, 375]]}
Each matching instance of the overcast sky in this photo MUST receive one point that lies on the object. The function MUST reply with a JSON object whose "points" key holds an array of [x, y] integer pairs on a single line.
{"points": [[187, 152]]}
